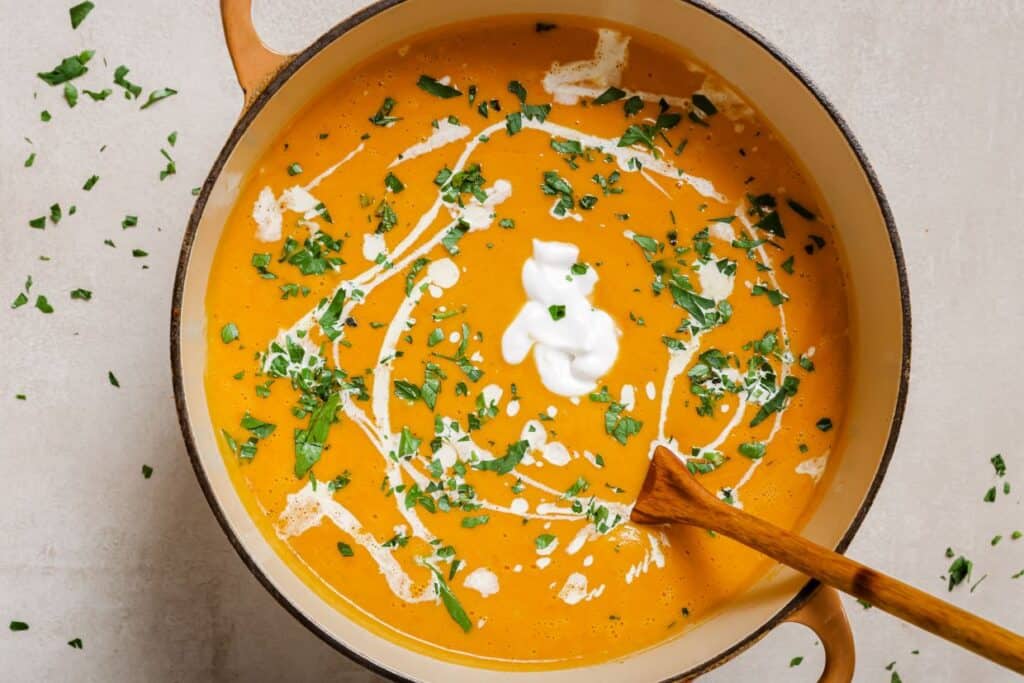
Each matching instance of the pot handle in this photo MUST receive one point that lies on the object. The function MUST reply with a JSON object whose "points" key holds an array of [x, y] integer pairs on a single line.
{"points": [[823, 613], [255, 63]]}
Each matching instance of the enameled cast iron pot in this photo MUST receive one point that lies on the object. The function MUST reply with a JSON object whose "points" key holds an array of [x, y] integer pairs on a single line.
{"points": [[277, 87]]}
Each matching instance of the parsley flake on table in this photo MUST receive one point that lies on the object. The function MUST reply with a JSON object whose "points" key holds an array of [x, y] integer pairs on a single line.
{"points": [[171, 168], [69, 69], [157, 95], [131, 90], [959, 571], [79, 12]]}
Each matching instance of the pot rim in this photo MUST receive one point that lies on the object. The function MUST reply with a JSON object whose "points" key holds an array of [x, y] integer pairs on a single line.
{"points": [[242, 125]]}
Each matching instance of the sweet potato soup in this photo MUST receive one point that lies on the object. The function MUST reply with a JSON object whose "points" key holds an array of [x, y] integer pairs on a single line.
{"points": [[465, 295]]}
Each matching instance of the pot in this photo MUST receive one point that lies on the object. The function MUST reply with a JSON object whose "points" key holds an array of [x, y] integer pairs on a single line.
{"points": [[277, 87]]}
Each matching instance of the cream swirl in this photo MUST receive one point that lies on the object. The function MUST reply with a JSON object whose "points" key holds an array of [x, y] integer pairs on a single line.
{"points": [[574, 344]]}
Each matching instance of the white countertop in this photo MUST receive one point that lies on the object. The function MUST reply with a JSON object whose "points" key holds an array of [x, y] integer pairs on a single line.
{"points": [[140, 570]]}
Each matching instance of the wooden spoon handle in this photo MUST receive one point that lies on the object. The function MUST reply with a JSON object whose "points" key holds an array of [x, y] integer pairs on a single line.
{"points": [[671, 494], [884, 592]]}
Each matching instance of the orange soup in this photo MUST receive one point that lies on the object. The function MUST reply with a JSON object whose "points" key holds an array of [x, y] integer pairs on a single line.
{"points": [[465, 295]]}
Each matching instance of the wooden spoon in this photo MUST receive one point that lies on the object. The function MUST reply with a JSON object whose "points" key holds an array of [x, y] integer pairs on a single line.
{"points": [[672, 494]]}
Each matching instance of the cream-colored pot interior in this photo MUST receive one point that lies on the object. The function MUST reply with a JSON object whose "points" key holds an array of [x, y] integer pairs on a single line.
{"points": [[877, 302]]}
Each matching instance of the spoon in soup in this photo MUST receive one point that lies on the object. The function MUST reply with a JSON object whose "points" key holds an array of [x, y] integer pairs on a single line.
{"points": [[672, 494]]}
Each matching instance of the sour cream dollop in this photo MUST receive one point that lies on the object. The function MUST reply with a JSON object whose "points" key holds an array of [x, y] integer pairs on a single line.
{"points": [[573, 346]]}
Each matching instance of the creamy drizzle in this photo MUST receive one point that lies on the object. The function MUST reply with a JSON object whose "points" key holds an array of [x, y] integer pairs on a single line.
{"points": [[307, 507], [483, 581], [268, 210], [444, 134], [814, 467], [575, 590]]}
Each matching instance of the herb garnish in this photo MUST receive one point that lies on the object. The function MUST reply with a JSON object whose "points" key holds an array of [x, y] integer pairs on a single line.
{"points": [[383, 116], [505, 464], [309, 442], [616, 424], [131, 90], [436, 88], [610, 95], [959, 571], [557, 186], [79, 12], [69, 69], [157, 95], [451, 603]]}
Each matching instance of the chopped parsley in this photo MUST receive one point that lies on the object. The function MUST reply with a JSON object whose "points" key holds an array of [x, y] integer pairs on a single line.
{"points": [[388, 217], [475, 521], [645, 134], [513, 456], [434, 87], [959, 571], [131, 90], [79, 12], [383, 116], [229, 333], [617, 424], [451, 603], [392, 182], [157, 95], [557, 186], [69, 69], [608, 96], [800, 210], [775, 297], [998, 464], [752, 449], [543, 541]]}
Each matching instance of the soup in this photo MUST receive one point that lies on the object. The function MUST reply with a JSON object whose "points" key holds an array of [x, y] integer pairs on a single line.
{"points": [[465, 295]]}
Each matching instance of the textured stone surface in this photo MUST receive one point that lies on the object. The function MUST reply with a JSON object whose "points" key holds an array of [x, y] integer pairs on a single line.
{"points": [[139, 568]]}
